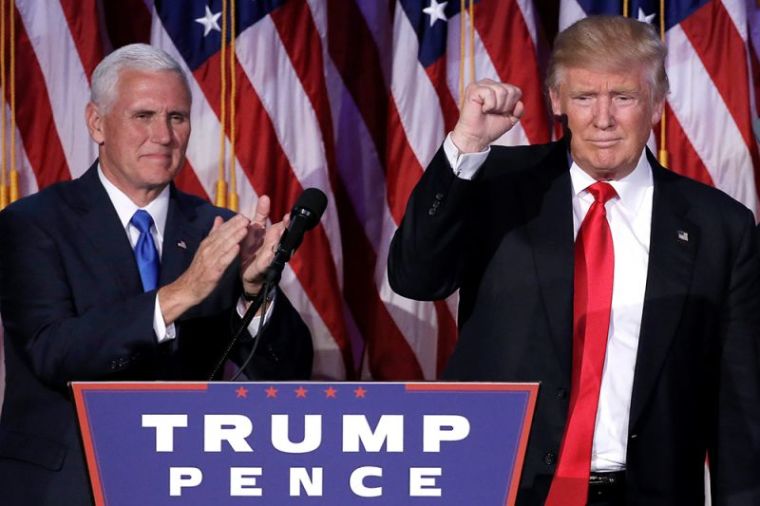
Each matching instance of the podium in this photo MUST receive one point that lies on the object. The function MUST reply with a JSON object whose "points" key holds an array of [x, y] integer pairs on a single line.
{"points": [[304, 443]]}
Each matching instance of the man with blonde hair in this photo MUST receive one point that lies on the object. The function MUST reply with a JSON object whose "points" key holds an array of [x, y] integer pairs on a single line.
{"points": [[631, 293]]}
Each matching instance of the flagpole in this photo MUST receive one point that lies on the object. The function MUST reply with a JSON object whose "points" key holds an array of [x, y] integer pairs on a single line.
{"points": [[14, 190], [472, 41], [232, 199], [662, 153], [462, 30], [4, 149], [221, 183]]}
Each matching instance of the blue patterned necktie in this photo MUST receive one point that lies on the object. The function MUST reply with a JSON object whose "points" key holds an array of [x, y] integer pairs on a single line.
{"points": [[146, 253]]}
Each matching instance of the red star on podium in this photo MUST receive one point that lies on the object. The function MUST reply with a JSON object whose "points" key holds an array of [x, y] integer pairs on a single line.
{"points": [[300, 392], [241, 392]]}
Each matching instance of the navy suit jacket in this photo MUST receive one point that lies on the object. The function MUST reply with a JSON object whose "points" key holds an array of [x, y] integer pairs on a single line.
{"points": [[73, 308], [505, 240]]}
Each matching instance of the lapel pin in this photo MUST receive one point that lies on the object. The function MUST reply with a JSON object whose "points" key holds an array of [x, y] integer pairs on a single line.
{"points": [[182, 244], [683, 236]]}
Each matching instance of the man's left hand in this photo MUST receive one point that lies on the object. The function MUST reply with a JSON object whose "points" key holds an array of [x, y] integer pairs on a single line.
{"points": [[258, 247]]}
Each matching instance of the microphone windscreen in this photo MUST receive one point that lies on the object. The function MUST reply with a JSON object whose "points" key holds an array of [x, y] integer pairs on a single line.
{"points": [[310, 205]]}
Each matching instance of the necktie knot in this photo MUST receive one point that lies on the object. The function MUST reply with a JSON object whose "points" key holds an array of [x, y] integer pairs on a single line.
{"points": [[602, 192], [142, 221]]}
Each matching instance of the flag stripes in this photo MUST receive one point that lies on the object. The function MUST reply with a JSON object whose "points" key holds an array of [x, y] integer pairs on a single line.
{"points": [[355, 97]]}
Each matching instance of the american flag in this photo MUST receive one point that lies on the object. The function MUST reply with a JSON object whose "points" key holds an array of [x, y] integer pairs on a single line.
{"points": [[709, 113], [353, 97]]}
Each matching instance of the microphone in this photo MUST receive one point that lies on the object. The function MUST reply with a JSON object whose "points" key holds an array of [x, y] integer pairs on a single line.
{"points": [[305, 215]]}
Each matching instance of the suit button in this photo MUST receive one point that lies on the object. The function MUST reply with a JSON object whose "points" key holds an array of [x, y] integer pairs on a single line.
{"points": [[549, 458], [432, 211], [439, 196], [561, 393], [436, 204]]}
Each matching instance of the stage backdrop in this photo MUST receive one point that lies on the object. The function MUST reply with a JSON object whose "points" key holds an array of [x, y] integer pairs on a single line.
{"points": [[354, 97]]}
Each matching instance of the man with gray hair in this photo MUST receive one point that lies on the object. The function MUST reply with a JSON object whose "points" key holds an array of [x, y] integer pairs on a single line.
{"points": [[631, 293], [120, 276]]}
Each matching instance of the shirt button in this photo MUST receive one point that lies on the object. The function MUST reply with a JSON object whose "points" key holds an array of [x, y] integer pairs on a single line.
{"points": [[549, 458]]}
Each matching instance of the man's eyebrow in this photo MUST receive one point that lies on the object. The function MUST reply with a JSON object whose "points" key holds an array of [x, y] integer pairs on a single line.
{"points": [[625, 91]]}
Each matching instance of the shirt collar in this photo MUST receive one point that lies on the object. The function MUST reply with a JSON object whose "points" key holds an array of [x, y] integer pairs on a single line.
{"points": [[158, 208], [631, 189]]}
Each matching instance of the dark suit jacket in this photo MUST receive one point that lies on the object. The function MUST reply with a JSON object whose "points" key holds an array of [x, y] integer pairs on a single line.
{"points": [[505, 240], [74, 309]]}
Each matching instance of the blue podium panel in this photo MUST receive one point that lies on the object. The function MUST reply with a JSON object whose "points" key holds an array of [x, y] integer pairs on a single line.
{"points": [[305, 443]]}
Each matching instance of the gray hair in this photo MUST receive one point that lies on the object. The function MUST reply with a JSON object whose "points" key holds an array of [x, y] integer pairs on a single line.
{"points": [[610, 43], [132, 56]]}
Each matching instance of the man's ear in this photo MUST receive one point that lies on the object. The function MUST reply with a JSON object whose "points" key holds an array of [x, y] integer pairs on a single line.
{"points": [[657, 111], [556, 105], [94, 121]]}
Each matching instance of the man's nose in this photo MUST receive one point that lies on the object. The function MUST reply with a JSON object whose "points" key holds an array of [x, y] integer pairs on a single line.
{"points": [[604, 113], [161, 131]]}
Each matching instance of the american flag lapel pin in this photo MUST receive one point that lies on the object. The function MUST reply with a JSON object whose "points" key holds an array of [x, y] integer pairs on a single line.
{"points": [[683, 236], [182, 244]]}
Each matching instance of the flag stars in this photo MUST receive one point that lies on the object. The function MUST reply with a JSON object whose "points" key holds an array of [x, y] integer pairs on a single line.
{"points": [[330, 393], [360, 392], [435, 11], [210, 21], [241, 392], [271, 392], [300, 392], [645, 18]]}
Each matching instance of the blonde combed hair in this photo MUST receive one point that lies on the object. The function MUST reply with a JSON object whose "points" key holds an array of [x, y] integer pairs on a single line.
{"points": [[610, 43]]}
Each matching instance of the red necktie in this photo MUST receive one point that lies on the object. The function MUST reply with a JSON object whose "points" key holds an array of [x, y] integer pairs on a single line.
{"points": [[592, 299]]}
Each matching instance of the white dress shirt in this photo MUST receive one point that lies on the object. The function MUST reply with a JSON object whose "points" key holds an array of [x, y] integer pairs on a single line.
{"points": [[630, 218], [158, 209]]}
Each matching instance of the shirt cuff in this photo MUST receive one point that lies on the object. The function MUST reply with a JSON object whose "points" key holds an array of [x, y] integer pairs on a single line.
{"points": [[465, 165], [163, 332], [253, 327]]}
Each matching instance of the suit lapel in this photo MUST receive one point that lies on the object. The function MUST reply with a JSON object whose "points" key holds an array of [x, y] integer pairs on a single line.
{"points": [[673, 245], [100, 224], [548, 205], [182, 236]]}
